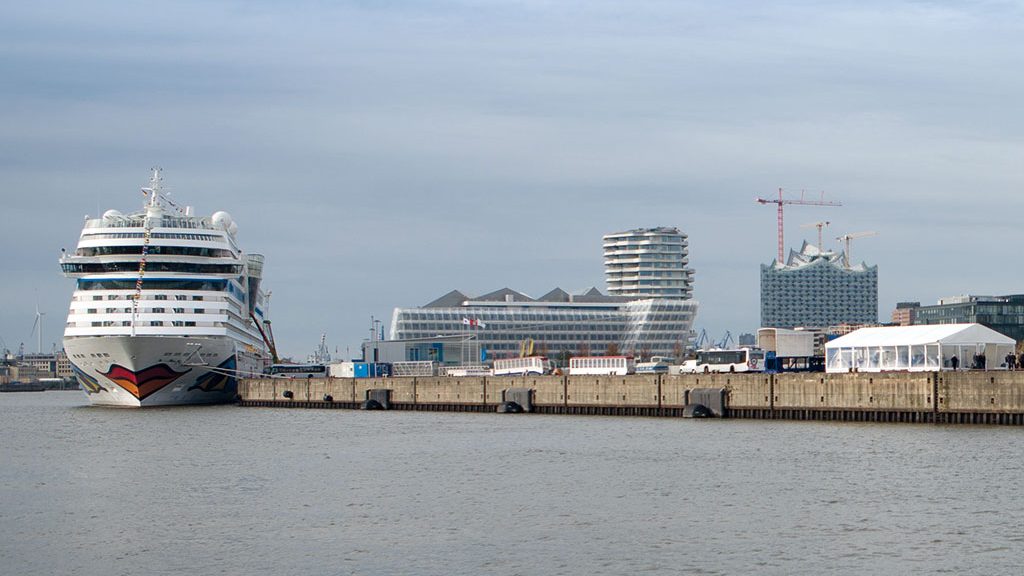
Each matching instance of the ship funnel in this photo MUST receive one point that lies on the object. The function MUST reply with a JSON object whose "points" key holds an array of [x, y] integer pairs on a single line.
{"points": [[254, 262]]}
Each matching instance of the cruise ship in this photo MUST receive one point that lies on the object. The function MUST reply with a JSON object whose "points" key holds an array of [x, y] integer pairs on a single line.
{"points": [[167, 310]]}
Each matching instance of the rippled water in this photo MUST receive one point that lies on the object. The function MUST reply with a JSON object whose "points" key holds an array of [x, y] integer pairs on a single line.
{"points": [[228, 490]]}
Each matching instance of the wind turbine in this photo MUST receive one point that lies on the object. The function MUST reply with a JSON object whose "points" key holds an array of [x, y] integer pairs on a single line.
{"points": [[38, 324]]}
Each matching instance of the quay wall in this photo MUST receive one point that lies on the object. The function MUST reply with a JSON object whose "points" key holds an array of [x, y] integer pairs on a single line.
{"points": [[877, 391], [967, 396], [996, 392]]}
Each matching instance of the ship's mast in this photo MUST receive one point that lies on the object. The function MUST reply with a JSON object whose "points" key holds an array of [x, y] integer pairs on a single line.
{"points": [[153, 190], [152, 210]]}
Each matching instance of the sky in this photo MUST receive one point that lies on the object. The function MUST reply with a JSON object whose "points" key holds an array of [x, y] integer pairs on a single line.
{"points": [[381, 154]]}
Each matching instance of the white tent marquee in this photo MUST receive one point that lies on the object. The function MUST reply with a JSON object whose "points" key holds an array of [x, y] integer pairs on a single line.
{"points": [[917, 348]]}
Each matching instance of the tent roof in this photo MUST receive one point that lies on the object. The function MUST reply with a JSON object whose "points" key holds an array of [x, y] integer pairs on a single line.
{"points": [[924, 334]]}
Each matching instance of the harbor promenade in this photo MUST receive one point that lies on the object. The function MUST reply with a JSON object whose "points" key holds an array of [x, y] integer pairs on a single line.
{"points": [[967, 397]]}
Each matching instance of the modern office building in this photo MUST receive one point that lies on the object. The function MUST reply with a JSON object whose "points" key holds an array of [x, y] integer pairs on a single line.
{"points": [[1004, 314], [557, 324], [648, 263], [817, 289]]}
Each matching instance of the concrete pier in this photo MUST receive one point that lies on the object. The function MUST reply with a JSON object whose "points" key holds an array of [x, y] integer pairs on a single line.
{"points": [[968, 397]]}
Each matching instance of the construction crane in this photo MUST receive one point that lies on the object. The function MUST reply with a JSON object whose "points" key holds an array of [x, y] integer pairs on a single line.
{"points": [[819, 226], [845, 238], [801, 202]]}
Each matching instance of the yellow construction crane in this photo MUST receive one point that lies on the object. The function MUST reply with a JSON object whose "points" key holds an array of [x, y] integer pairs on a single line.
{"points": [[526, 348], [819, 226]]}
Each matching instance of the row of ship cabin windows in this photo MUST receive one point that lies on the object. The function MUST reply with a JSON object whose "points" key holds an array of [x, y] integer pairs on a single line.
{"points": [[125, 323], [167, 235], [178, 297], [141, 310], [133, 266], [154, 251]]}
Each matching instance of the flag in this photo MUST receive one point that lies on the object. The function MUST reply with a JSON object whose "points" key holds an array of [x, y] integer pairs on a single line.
{"points": [[473, 323]]}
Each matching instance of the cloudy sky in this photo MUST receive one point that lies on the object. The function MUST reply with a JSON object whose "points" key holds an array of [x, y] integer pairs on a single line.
{"points": [[383, 153]]}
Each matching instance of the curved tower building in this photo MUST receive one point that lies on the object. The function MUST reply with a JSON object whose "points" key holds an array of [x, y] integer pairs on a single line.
{"points": [[648, 263]]}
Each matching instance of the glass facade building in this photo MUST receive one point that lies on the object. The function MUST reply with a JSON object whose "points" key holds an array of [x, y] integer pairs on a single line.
{"points": [[557, 324], [816, 289], [648, 263], [1004, 314]]}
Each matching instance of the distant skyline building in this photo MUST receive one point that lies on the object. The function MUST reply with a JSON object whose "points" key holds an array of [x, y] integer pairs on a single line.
{"points": [[648, 311], [816, 289], [648, 263], [905, 313], [1004, 314]]}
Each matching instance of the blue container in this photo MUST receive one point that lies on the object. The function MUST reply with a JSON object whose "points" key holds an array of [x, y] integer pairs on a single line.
{"points": [[362, 370]]}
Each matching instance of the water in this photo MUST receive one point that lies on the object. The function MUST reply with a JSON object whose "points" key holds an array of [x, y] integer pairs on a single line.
{"points": [[228, 490]]}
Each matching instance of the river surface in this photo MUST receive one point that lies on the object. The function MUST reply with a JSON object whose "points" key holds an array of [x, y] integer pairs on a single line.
{"points": [[229, 490]]}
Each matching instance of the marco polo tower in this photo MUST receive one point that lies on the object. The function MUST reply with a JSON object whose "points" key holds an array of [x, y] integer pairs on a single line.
{"points": [[648, 263]]}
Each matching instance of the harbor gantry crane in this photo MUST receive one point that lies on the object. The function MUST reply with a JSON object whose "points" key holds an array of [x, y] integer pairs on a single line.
{"points": [[845, 238], [702, 340], [819, 226], [727, 341], [801, 202]]}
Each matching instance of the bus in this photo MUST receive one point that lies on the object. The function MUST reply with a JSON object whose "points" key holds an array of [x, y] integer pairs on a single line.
{"points": [[467, 371], [775, 364], [602, 365], [656, 365], [736, 360], [530, 365], [297, 371]]}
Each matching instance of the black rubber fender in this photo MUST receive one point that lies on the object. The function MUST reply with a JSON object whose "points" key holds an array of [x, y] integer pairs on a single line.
{"points": [[510, 407], [697, 411]]}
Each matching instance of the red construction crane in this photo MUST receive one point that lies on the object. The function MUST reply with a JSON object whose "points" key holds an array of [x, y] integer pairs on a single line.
{"points": [[801, 202]]}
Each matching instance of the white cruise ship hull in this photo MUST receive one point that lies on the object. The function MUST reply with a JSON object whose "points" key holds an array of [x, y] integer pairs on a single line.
{"points": [[140, 371]]}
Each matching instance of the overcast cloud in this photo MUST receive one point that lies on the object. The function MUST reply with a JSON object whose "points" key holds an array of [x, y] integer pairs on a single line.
{"points": [[382, 154]]}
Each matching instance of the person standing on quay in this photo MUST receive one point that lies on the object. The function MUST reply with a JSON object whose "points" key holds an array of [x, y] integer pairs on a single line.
{"points": [[1011, 361], [954, 362]]}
